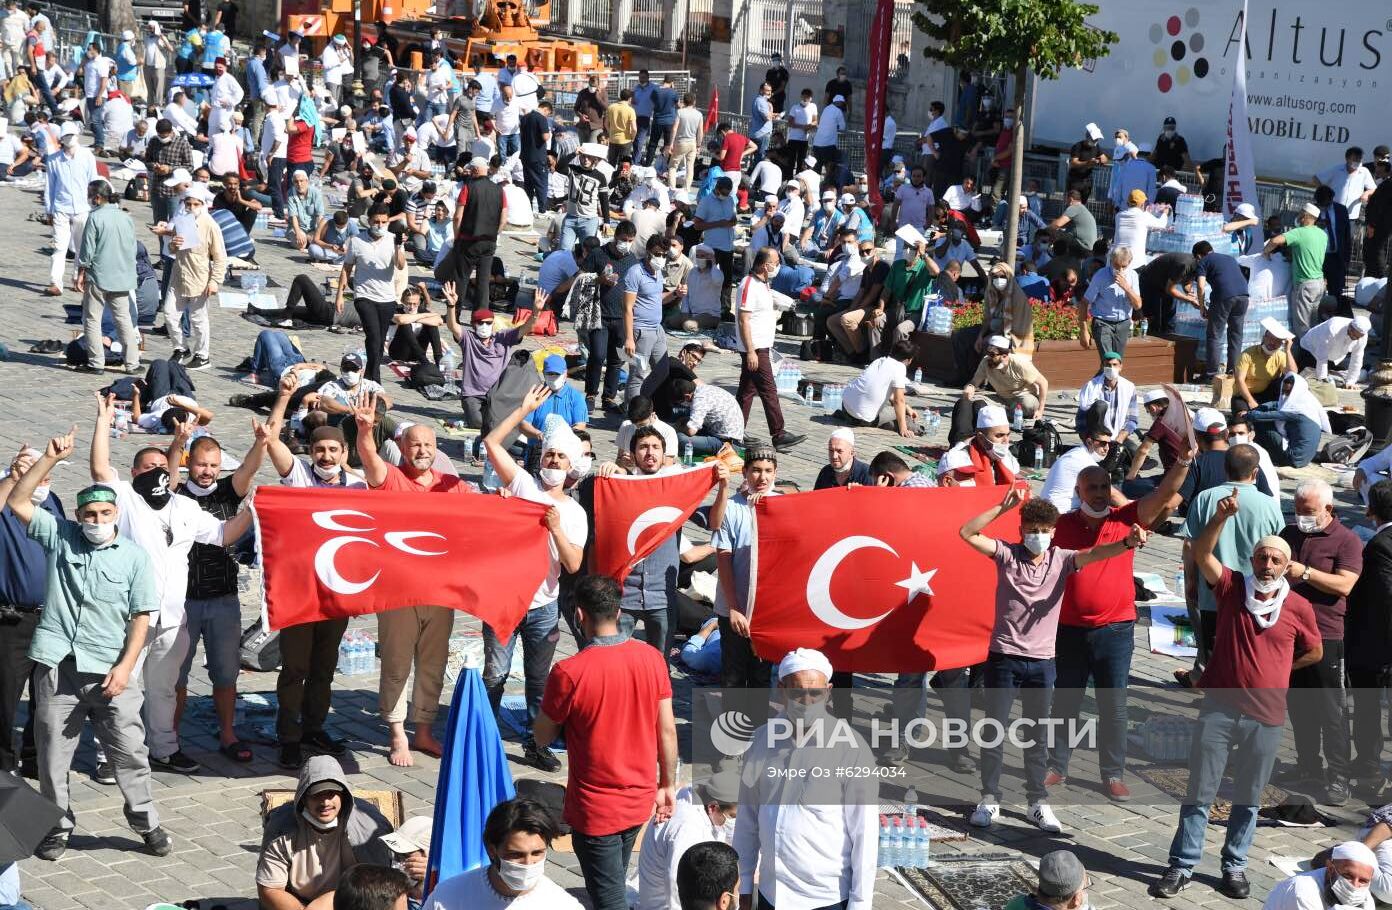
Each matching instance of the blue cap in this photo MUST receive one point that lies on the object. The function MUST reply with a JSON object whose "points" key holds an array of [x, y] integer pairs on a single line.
{"points": [[554, 363]]}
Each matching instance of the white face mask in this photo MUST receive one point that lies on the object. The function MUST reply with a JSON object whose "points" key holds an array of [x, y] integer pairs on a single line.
{"points": [[1000, 449], [40, 495], [1308, 524], [558, 383], [851, 249], [999, 282], [98, 532], [521, 876], [69, 141], [317, 824], [1346, 892], [582, 466], [484, 331], [1037, 541], [1090, 512], [329, 473], [967, 483], [551, 477], [350, 379], [1238, 439], [1112, 373], [197, 489]]}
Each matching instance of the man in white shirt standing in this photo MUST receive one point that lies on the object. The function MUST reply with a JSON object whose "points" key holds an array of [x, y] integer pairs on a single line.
{"points": [[337, 59], [70, 169], [507, 121], [829, 128], [13, 28], [912, 202], [1351, 182], [275, 146], [705, 811], [802, 122], [224, 97], [805, 858], [757, 320]]}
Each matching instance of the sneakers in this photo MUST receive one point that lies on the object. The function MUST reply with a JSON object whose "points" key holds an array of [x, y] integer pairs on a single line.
{"points": [[239, 401], [1235, 885], [787, 441], [177, 762], [1337, 793], [198, 362], [323, 742], [1043, 818], [106, 773], [1116, 791], [985, 814], [157, 841], [52, 846], [180, 355], [1054, 778], [541, 756], [291, 756], [1171, 883]]}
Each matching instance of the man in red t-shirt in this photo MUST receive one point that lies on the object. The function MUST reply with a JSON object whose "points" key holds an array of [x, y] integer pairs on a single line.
{"points": [[734, 148], [1097, 624], [299, 148], [614, 700], [1265, 631], [411, 631]]}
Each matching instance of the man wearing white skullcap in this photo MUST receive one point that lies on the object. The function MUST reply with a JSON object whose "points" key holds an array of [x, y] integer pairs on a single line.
{"points": [[1015, 381], [1344, 882], [1264, 631], [988, 447], [842, 467], [565, 519], [1333, 340], [805, 857]]}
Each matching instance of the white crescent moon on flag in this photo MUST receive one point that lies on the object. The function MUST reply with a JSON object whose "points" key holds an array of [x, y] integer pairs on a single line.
{"points": [[398, 539], [327, 570], [657, 515], [329, 520], [819, 583]]}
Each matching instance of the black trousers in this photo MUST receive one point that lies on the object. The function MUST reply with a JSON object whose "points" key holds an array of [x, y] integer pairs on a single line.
{"points": [[534, 180], [739, 665], [475, 258], [605, 346], [1318, 711], [16, 632], [304, 688], [410, 347], [264, 400], [726, 260], [376, 316], [165, 377], [1367, 686], [304, 301]]}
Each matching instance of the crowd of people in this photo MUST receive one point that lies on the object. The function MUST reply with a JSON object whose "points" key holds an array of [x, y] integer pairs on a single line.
{"points": [[654, 217]]}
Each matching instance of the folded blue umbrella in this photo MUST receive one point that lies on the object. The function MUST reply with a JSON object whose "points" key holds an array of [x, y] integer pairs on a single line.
{"points": [[474, 777]]}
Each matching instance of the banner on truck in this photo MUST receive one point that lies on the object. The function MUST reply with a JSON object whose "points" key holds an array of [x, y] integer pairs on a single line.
{"points": [[1317, 79]]}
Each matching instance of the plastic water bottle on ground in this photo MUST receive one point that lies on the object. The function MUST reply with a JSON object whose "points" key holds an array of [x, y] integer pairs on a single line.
{"points": [[934, 419], [922, 844], [688, 454], [1039, 456], [345, 656], [491, 481], [1179, 583], [910, 806], [1017, 423], [884, 857], [449, 362]]}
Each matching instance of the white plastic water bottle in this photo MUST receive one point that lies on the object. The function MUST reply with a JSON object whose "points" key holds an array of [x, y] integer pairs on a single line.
{"points": [[345, 659], [885, 845], [1179, 583], [1038, 456], [490, 477], [910, 806], [364, 662], [1017, 423], [922, 843], [934, 419], [688, 453], [918, 375], [449, 363]]}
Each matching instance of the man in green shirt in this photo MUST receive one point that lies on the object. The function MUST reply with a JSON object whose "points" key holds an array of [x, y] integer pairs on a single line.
{"points": [[860, 329], [87, 647], [106, 277], [1307, 245]]}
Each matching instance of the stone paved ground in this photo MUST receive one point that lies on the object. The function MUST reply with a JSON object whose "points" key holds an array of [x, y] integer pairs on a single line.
{"points": [[214, 816]]}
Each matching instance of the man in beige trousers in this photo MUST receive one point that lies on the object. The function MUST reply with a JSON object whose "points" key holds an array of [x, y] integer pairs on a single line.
{"points": [[200, 261]]}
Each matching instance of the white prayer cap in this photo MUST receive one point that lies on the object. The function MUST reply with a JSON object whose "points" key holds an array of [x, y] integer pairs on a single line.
{"points": [[180, 176], [844, 433], [804, 659], [1310, 209], [1246, 210], [956, 459], [1357, 851], [1362, 323], [70, 128], [1155, 395], [993, 415], [1094, 132], [1208, 419], [1274, 542], [559, 437]]}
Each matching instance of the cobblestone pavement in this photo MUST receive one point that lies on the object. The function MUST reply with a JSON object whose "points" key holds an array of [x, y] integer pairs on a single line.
{"points": [[214, 816]]}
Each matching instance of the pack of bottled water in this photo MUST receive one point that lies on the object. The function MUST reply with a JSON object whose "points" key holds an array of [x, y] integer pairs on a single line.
{"points": [[831, 397], [263, 220], [904, 841], [1167, 739], [1189, 204], [357, 653], [937, 320], [786, 378]]}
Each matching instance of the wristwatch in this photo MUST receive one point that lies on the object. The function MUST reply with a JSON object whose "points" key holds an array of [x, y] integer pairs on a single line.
{"points": [[1305, 576]]}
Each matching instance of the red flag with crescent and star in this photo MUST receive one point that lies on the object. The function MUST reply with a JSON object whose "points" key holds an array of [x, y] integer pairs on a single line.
{"points": [[876, 578], [634, 515], [330, 553]]}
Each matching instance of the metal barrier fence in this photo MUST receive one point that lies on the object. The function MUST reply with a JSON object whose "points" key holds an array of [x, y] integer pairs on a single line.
{"points": [[859, 19], [792, 28], [645, 23], [562, 88]]}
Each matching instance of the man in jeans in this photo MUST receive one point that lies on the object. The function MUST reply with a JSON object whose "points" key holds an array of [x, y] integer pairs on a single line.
{"points": [[1110, 300], [757, 320], [1265, 631], [605, 342], [1226, 310], [614, 702], [106, 277], [1098, 619], [645, 343], [71, 169], [587, 200], [1030, 580], [1307, 244], [566, 520]]}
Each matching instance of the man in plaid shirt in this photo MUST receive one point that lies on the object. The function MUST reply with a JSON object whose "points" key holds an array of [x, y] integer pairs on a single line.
{"points": [[166, 153], [889, 470]]}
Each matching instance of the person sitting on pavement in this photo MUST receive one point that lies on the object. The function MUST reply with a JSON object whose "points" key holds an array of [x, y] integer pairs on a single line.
{"points": [[1111, 400], [1290, 427], [329, 242], [842, 468], [308, 844], [517, 837], [1260, 367], [712, 417], [1015, 381], [988, 448], [875, 398], [1061, 482], [1333, 340], [1063, 885], [705, 811], [1242, 432], [1345, 880], [1171, 447], [889, 470], [563, 399], [701, 653], [700, 307], [410, 847]]}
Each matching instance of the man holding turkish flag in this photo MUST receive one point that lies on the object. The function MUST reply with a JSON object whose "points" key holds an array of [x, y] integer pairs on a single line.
{"points": [[875, 578], [634, 515]]}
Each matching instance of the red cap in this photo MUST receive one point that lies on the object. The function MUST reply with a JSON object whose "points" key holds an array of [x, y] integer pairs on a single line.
{"points": [[222, 60], [482, 316]]}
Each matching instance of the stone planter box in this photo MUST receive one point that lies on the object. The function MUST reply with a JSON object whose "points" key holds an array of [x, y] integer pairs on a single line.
{"points": [[1149, 360]]}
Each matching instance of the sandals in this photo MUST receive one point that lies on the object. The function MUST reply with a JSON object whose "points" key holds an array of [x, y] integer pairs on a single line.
{"points": [[237, 751]]}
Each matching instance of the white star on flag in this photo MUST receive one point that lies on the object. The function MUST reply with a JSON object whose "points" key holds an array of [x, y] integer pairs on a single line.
{"points": [[917, 583]]}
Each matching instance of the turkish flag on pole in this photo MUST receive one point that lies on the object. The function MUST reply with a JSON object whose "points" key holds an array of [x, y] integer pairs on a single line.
{"points": [[876, 88], [330, 553], [713, 110], [876, 578], [634, 515]]}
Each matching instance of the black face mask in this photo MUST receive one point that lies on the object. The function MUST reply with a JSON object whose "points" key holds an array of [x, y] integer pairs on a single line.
{"points": [[153, 487]]}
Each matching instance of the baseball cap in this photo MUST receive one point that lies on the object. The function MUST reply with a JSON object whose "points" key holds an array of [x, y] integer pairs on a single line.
{"points": [[847, 199], [1136, 197], [1061, 874], [1271, 325], [413, 835], [73, 128], [324, 786], [481, 316], [1169, 121], [1246, 210], [350, 360], [554, 363], [180, 175], [1209, 420], [839, 99]]}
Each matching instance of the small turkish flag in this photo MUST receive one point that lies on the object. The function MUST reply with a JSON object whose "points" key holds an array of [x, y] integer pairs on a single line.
{"points": [[634, 515], [328, 553], [876, 578], [713, 110]]}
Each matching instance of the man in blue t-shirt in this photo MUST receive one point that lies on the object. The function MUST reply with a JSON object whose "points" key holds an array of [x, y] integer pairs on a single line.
{"points": [[1227, 304], [565, 400], [664, 120]]}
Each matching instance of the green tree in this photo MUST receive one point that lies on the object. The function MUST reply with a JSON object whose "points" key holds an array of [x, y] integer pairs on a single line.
{"points": [[1044, 37]]}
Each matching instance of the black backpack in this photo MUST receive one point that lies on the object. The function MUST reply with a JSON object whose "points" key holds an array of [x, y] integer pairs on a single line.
{"points": [[260, 648], [1043, 435], [137, 189]]}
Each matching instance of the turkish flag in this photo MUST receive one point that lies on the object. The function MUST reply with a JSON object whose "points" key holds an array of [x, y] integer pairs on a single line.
{"points": [[713, 110], [876, 578], [328, 553], [634, 515]]}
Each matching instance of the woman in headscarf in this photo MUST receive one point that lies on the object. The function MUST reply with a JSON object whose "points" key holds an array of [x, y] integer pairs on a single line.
{"points": [[1006, 311], [1290, 427]]}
